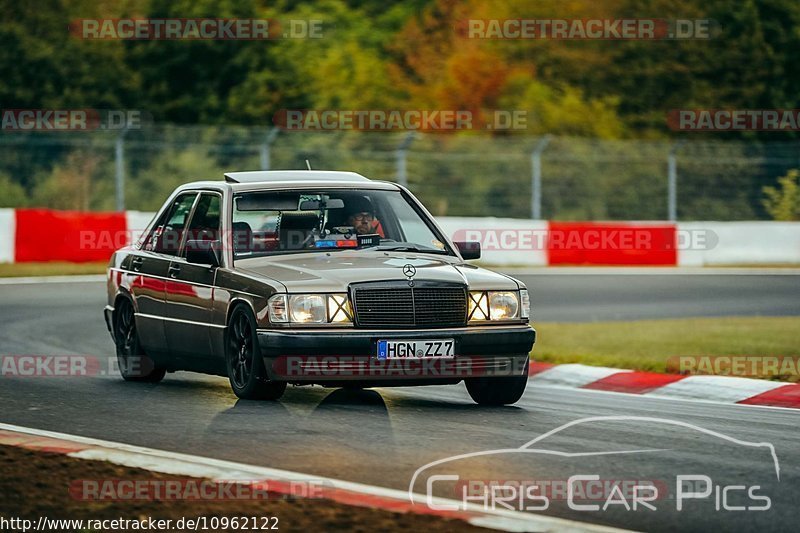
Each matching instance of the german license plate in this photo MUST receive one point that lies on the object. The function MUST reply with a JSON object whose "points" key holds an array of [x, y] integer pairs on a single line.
{"points": [[415, 349]]}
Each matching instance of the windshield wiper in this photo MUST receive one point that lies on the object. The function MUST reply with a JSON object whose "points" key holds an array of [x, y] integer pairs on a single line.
{"points": [[406, 247]]}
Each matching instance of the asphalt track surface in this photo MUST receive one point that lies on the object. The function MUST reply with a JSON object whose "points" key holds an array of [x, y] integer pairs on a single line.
{"points": [[383, 436], [599, 297]]}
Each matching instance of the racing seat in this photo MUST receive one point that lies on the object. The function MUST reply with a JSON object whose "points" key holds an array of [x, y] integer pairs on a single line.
{"points": [[295, 228]]}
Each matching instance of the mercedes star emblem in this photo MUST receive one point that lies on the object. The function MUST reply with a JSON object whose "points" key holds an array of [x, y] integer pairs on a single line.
{"points": [[409, 271]]}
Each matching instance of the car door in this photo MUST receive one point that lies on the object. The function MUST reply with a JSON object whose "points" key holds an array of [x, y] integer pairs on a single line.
{"points": [[148, 268], [190, 287]]}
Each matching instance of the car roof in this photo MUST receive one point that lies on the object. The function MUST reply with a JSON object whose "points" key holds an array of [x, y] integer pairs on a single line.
{"points": [[290, 179], [257, 176]]}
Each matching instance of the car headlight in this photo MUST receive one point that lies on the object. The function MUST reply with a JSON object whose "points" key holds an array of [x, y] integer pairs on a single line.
{"points": [[310, 309], [503, 305], [307, 309], [494, 305]]}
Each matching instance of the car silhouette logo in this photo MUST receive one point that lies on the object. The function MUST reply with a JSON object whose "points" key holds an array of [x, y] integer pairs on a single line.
{"points": [[409, 271], [532, 447]]}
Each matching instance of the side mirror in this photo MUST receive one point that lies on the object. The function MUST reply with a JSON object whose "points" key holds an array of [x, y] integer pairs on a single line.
{"points": [[203, 253], [469, 249]]}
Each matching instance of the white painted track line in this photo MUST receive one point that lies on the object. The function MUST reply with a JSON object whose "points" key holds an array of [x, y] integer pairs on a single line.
{"points": [[205, 467]]}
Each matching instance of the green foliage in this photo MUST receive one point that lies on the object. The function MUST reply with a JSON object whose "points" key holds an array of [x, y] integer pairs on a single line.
{"points": [[565, 111], [45, 67], [148, 188], [12, 194], [405, 54], [78, 182], [783, 202]]}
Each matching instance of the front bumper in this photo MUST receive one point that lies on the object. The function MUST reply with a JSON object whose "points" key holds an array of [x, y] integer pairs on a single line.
{"points": [[320, 356]]}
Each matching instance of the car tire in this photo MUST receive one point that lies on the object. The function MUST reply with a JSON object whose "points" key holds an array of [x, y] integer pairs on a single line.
{"points": [[246, 372], [497, 390], [133, 362]]}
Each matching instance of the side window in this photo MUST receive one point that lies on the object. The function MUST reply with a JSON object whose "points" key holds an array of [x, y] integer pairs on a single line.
{"points": [[167, 233], [205, 223], [410, 223]]}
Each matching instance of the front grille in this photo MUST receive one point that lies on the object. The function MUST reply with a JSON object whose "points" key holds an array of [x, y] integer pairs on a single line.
{"points": [[396, 305]]}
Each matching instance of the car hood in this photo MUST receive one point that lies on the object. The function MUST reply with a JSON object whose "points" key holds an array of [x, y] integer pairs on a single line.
{"points": [[334, 271]]}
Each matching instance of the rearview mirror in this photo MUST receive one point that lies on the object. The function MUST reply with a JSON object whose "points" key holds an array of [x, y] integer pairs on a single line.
{"points": [[316, 205], [203, 253], [469, 249]]}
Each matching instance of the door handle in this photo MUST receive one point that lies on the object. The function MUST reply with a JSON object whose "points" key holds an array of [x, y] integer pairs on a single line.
{"points": [[174, 270], [136, 263]]}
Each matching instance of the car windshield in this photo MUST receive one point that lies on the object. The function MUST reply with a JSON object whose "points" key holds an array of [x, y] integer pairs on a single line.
{"points": [[276, 222]]}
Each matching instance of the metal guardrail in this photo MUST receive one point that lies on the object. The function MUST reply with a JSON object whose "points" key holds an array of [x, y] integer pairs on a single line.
{"points": [[454, 174]]}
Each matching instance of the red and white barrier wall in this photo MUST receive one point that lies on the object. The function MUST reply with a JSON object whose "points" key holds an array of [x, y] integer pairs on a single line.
{"points": [[8, 225], [760, 243], [515, 242], [29, 235], [48, 235]]}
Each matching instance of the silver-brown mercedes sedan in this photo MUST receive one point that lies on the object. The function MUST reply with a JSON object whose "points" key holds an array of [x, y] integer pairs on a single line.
{"points": [[314, 277]]}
